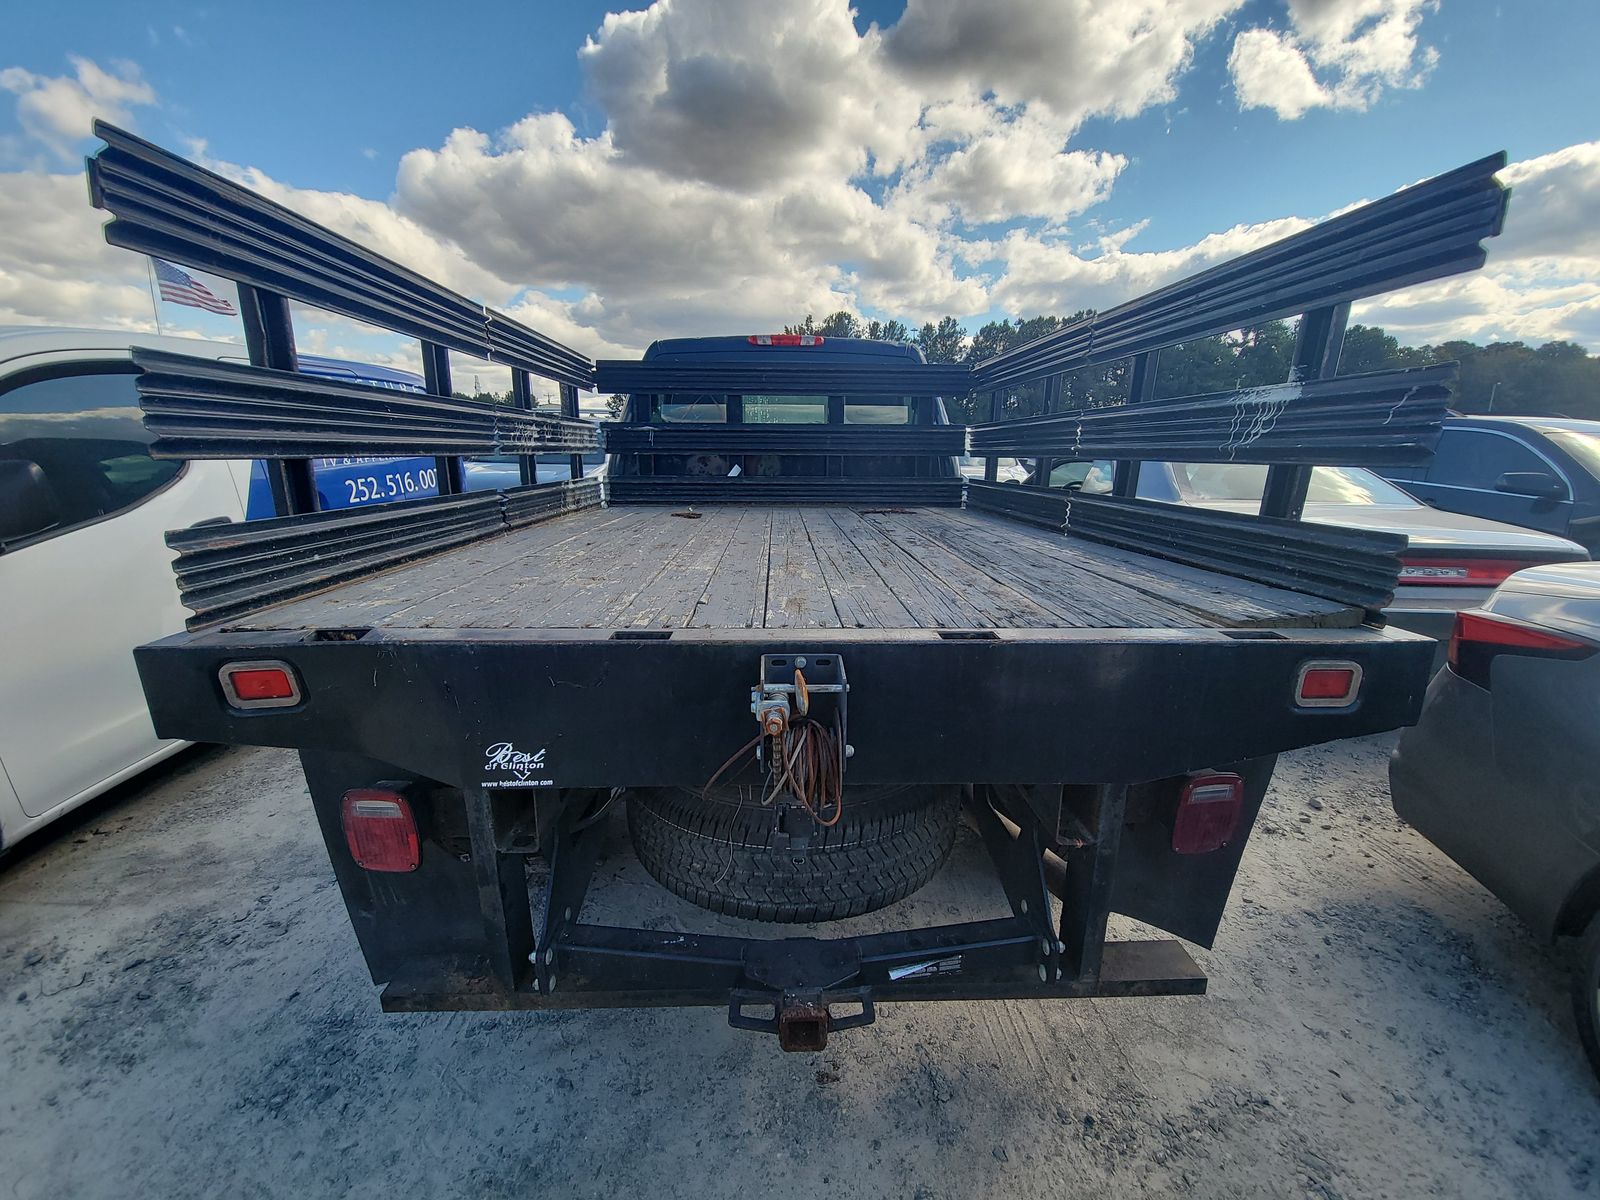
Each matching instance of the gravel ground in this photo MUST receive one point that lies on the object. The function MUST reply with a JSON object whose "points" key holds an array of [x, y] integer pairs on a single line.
{"points": [[183, 1012]]}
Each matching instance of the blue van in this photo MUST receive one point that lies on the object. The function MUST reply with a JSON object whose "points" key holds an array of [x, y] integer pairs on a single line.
{"points": [[353, 482]]}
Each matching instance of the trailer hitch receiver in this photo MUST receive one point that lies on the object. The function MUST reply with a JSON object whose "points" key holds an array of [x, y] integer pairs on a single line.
{"points": [[803, 1026], [802, 1020]]}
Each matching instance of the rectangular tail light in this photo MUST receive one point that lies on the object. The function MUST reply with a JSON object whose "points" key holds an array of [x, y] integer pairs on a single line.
{"points": [[1208, 813], [259, 684], [1423, 571], [1480, 637], [786, 339], [380, 830]]}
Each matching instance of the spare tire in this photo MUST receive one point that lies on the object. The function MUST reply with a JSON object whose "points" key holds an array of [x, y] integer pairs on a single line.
{"points": [[728, 852]]}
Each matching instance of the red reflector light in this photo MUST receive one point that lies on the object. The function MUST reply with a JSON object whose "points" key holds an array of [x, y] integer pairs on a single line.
{"points": [[1479, 637], [1459, 572], [259, 685], [1208, 813], [1327, 684], [380, 830], [262, 685], [786, 339]]}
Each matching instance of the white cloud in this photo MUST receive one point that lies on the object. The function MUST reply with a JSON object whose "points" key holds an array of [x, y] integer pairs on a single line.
{"points": [[1542, 279], [55, 267], [1270, 71], [785, 91], [59, 110], [1339, 54], [1075, 58], [748, 172], [1046, 273], [1020, 168]]}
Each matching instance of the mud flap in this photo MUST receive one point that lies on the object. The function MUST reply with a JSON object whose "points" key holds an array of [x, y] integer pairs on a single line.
{"points": [[1184, 894]]}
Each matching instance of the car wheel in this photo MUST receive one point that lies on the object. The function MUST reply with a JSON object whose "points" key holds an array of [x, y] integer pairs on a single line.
{"points": [[1586, 992]]}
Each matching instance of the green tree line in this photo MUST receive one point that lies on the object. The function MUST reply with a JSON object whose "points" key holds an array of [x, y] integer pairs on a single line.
{"points": [[1514, 378]]}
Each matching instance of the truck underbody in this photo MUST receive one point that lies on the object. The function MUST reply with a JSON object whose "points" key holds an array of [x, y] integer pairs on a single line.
{"points": [[1057, 687]]}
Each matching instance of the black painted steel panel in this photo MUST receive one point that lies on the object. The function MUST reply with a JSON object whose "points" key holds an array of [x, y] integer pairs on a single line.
{"points": [[783, 439], [784, 378], [201, 408], [748, 489], [166, 206], [1424, 232], [1387, 418]]}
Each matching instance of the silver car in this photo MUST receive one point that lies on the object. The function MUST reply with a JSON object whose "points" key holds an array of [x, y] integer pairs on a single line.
{"points": [[1453, 562], [1499, 773]]}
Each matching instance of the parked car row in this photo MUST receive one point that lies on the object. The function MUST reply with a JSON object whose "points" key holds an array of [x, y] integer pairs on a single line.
{"points": [[1538, 472], [1453, 562]]}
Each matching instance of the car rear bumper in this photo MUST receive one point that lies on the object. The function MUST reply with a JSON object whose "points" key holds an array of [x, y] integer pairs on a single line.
{"points": [[1432, 612]]}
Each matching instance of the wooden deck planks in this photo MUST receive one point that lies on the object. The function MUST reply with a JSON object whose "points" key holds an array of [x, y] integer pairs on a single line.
{"points": [[798, 596], [822, 567]]}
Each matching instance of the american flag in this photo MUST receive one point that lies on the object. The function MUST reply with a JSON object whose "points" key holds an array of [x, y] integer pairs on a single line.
{"points": [[178, 287]]}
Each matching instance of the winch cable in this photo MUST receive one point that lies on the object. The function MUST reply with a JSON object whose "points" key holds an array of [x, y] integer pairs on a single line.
{"points": [[807, 762]]}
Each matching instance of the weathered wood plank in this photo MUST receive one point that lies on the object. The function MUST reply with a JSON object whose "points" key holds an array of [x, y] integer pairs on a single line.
{"points": [[381, 598], [669, 601], [860, 596], [932, 605], [1082, 599], [735, 596], [797, 593], [1225, 599], [1001, 605], [745, 566]]}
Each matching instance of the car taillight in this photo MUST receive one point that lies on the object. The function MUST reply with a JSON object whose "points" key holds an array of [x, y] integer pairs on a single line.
{"points": [[1331, 683], [1479, 638], [1459, 572], [380, 830], [786, 339], [267, 684], [1208, 813]]}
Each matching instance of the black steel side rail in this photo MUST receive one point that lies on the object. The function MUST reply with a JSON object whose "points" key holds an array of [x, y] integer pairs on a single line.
{"points": [[1350, 566], [1022, 502], [226, 570], [166, 206], [541, 501], [698, 438], [1424, 232], [200, 408], [755, 489], [633, 376], [1387, 418]]}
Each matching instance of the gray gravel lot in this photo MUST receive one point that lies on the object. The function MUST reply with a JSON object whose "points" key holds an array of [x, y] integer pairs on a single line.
{"points": [[183, 1012]]}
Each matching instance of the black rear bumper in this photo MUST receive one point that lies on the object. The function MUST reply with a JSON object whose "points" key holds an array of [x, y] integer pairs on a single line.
{"points": [[926, 706]]}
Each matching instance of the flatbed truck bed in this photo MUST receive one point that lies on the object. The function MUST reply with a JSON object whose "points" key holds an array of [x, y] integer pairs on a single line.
{"points": [[783, 635], [747, 566]]}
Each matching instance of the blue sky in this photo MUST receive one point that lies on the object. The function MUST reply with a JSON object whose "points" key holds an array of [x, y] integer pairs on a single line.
{"points": [[322, 99]]}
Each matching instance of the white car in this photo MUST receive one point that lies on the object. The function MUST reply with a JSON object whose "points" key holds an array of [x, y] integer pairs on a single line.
{"points": [[1453, 561], [1008, 470], [85, 574]]}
